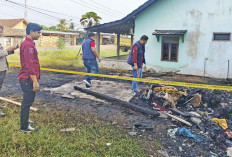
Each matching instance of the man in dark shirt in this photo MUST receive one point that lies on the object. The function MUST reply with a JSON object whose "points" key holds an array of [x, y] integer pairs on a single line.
{"points": [[137, 59], [29, 74], [89, 58]]}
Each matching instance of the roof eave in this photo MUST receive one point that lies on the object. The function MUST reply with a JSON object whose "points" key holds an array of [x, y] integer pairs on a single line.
{"points": [[129, 17]]}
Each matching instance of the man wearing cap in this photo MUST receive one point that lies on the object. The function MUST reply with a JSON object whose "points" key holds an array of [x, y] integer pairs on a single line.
{"points": [[29, 74], [89, 58], [4, 64], [137, 59]]}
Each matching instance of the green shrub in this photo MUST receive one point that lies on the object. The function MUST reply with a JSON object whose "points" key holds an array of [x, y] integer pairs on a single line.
{"points": [[61, 44]]}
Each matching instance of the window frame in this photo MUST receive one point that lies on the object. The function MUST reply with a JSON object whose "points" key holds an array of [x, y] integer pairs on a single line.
{"points": [[169, 47], [218, 33]]}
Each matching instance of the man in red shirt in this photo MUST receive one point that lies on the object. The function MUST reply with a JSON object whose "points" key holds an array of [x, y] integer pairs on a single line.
{"points": [[29, 74]]}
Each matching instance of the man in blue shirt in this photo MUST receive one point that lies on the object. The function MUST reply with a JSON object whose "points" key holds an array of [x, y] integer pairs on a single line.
{"points": [[90, 57]]}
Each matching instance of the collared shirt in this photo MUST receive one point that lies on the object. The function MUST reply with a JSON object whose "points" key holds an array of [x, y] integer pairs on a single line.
{"points": [[29, 60]]}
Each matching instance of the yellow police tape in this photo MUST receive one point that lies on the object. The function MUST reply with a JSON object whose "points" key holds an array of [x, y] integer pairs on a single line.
{"points": [[52, 60], [151, 81]]}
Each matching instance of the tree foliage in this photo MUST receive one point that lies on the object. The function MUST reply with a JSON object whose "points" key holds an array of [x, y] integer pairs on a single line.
{"points": [[90, 19]]}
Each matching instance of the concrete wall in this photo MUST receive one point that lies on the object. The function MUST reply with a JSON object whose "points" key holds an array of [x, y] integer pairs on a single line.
{"points": [[48, 41], [51, 41], [201, 18]]}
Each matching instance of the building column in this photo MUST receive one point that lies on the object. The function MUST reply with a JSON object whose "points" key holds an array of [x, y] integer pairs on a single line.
{"points": [[132, 40], [98, 42], [11, 41], [118, 45], [50, 39]]}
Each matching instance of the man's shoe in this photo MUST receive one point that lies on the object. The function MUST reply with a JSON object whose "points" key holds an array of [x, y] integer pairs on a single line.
{"points": [[2, 114], [30, 128], [88, 83], [26, 131]]}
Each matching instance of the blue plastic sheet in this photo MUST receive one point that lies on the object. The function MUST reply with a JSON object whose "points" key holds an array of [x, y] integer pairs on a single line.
{"points": [[187, 133]]}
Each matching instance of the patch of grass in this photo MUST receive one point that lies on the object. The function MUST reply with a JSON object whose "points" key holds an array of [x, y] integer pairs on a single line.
{"points": [[48, 55], [89, 139], [111, 53]]}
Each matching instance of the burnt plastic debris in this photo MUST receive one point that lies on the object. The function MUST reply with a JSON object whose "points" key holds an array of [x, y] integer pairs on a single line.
{"points": [[208, 104]]}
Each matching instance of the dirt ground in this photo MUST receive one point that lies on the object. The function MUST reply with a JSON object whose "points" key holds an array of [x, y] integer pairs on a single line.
{"points": [[56, 85]]}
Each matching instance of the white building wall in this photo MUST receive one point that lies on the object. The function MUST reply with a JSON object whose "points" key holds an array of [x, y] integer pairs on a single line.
{"points": [[201, 18]]}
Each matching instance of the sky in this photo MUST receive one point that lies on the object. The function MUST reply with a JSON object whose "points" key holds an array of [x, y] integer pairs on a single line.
{"points": [[71, 10]]}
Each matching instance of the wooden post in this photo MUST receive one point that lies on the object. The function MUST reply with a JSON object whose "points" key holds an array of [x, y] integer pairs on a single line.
{"points": [[118, 45], [50, 39], [17, 103], [98, 42], [130, 106], [132, 40]]}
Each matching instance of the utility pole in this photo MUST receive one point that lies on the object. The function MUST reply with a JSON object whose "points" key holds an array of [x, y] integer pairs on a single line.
{"points": [[25, 13]]}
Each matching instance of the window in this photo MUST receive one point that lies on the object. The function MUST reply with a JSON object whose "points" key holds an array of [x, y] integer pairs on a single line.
{"points": [[170, 47], [222, 36]]}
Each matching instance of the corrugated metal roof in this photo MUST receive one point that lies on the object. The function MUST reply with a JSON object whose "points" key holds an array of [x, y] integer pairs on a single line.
{"points": [[169, 32], [179, 33], [58, 32]]}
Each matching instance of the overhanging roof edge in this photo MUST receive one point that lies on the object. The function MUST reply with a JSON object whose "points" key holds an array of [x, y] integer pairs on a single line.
{"points": [[125, 19]]}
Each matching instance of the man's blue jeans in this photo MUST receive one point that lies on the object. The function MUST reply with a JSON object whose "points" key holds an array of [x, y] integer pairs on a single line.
{"points": [[135, 75], [90, 66]]}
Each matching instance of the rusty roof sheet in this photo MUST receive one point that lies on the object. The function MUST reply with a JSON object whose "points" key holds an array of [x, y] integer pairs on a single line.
{"points": [[11, 22]]}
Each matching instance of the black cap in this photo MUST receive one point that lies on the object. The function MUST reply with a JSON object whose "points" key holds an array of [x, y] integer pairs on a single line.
{"points": [[144, 37], [91, 35]]}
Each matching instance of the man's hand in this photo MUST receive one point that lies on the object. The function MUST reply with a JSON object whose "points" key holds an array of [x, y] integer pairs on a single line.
{"points": [[99, 59], [35, 83], [15, 47], [35, 86], [11, 49], [136, 67]]}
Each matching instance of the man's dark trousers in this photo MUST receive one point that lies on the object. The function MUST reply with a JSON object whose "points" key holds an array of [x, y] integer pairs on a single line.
{"points": [[28, 99], [2, 76]]}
